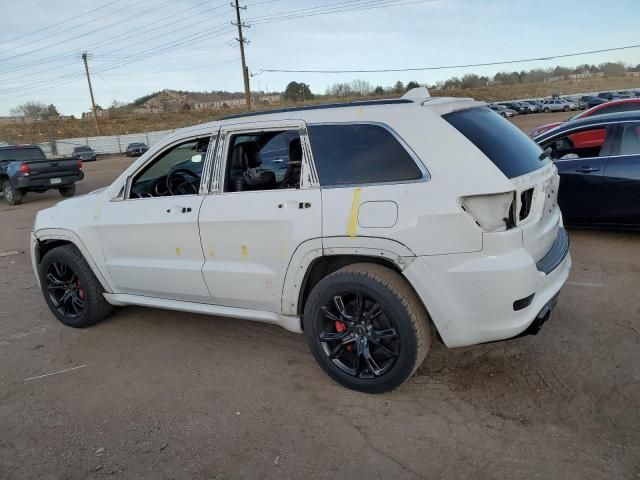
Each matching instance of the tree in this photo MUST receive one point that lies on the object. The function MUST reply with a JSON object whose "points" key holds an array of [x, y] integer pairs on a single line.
{"points": [[296, 92], [35, 110], [378, 90], [612, 69], [52, 111], [398, 87], [412, 84], [361, 87], [340, 90]]}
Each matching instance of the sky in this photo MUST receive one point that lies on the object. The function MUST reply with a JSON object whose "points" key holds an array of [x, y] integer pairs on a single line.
{"points": [[140, 46]]}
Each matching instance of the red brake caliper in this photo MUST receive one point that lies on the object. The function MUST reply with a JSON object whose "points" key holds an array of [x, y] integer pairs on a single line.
{"points": [[80, 290], [341, 327]]}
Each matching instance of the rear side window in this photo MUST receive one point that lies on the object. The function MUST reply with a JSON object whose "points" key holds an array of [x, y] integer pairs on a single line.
{"points": [[506, 145], [22, 154], [360, 154]]}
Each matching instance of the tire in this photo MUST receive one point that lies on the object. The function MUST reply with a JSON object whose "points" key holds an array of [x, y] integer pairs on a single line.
{"points": [[12, 195], [546, 110], [396, 338], [68, 191], [67, 264], [566, 109], [504, 114]]}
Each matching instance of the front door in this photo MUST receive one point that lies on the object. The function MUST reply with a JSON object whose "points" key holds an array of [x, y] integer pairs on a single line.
{"points": [[262, 207], [150, 237]]}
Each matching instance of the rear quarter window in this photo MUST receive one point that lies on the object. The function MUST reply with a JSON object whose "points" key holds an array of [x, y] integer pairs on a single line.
{"points": [[352, 154], [503, 143]]}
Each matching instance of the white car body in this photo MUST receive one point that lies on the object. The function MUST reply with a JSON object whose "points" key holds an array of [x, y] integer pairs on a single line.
{"points": [[555, 105], [246, 254]]}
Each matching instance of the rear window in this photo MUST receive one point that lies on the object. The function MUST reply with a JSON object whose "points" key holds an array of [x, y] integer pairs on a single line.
{"points": [[22, 154], [352, 154], [506, 145]]}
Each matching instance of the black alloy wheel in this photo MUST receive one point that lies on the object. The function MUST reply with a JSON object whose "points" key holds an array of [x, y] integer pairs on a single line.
{"points": [[65, 291], [358, 336]]}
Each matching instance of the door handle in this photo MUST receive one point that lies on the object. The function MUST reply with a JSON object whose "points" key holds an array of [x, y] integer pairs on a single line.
{"points": [[587, 169], [301, 205]]}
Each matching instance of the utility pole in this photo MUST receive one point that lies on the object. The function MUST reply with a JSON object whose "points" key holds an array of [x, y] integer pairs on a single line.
{"points": [[93, 102], [241, 41]]}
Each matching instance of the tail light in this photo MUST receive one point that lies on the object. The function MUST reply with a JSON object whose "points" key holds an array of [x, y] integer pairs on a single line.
{"points": [[24, 168], [492, 213], [79, 164]]}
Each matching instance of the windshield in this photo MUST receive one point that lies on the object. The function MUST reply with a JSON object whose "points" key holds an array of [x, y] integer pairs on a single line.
{"points": [[22, 154], [82, 149], [506, 145]]}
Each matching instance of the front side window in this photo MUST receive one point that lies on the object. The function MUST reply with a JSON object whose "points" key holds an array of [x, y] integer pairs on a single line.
{"points": [[586, 143], [353, 154], [176, 171], [264, 161]]}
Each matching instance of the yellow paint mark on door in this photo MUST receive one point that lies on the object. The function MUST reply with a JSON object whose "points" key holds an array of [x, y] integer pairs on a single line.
{"points": [[178, 251]]}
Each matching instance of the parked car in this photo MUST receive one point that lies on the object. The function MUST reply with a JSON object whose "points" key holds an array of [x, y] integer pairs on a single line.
{"points": [[555, 105], [535, 105], [615, 106], [592, 100], [608, 95], [502, 110], [84, 153], [598, 159], [25, 168], [136, 149], [520, 107], [357, 246]]}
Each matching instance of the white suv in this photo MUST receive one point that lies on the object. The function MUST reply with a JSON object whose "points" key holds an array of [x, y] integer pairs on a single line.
{"points": [[364, 225]]}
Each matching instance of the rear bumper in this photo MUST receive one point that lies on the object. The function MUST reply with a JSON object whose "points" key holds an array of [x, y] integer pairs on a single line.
{"points": [[38, 183], [491, 295]]}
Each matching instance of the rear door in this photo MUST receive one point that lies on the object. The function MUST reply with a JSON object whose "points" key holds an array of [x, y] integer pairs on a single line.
{"points": [[259, 212], [621, 193], [581, 158]]}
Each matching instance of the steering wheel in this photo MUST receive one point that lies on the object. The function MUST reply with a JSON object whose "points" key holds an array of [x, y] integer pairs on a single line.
{"points": [[159, 187], [189, 185]]}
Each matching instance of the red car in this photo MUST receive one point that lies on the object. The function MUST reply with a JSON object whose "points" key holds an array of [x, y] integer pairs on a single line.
{"points": [[614, 106]]}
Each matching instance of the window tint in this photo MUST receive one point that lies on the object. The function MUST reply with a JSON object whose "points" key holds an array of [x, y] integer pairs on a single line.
{"points": [[586, 143], [630, 140], [264, 161], [22, 154], [358, 154], [620, 107], [506, 145]]}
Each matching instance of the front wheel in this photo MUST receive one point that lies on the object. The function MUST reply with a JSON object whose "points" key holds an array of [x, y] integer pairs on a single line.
{"points": [[546, 110], [12, 195], [566, 109], [68, 191], [366, 327], [70, 288]]}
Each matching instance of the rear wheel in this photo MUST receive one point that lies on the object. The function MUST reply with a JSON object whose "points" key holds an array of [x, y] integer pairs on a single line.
{"points": [[12, 195], [68, 191], [546, 110], [366, 327], [70, 288]]}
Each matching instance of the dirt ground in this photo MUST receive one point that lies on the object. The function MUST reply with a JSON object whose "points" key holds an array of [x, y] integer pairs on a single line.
{"points": [[182, 396]]}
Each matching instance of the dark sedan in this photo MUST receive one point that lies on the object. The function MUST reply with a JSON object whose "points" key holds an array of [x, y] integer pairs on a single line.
{"points": [[598, 159], [136, 149], [84, 153], [519, 107]]}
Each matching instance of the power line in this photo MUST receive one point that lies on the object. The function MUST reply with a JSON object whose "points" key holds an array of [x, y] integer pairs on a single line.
{"points": [[57, 24], [445, 67]]}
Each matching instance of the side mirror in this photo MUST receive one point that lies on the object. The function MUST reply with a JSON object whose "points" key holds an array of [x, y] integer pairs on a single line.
{"points": [[196, 158]]}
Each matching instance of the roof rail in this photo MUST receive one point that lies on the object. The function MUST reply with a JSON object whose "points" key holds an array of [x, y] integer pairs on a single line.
{"points": [[363, 103]]}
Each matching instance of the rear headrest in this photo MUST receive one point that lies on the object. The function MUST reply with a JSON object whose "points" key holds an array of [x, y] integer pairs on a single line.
{"points": [[245, 155]]}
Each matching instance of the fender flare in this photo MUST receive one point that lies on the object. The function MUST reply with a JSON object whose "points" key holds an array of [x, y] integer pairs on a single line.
{"points": [[73, 238], [313, 249]]}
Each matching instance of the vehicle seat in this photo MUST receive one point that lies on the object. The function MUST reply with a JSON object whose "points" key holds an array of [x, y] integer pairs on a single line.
{"points": [[246, 173], [630, 143]]}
